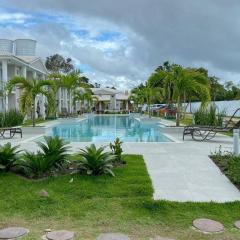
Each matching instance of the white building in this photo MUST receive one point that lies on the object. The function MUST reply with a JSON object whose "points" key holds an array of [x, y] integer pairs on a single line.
{"points": [[18, 58], [108, 99]]}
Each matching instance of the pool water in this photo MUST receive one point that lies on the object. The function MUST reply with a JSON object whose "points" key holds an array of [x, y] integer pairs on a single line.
{"points": [[108, 128]]}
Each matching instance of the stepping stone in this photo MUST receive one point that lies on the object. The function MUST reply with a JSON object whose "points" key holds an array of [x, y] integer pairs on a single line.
{"points": [[13, 232], [161, 238], [43, 193], [60, 235], [237, 224], [112, 236], [208, 225]]}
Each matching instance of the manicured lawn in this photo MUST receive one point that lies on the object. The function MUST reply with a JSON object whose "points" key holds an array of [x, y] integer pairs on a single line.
{"points": [[91, 205]]}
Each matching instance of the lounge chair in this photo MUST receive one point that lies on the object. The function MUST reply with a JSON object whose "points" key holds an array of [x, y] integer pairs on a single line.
{"points": [[204, 133], [64, 112], [11, 132]]}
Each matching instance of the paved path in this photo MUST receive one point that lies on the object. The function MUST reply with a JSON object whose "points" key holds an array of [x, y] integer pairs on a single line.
{"points": [[184, 172]]}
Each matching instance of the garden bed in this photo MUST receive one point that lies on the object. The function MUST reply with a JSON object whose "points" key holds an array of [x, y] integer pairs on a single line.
{"points": [[229, 165]]}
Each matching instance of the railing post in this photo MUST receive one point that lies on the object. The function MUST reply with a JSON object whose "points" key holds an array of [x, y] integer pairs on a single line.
{"points": [[236, 141]]}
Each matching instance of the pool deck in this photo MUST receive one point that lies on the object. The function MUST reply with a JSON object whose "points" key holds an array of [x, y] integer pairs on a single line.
{"points": [[180, 171]]}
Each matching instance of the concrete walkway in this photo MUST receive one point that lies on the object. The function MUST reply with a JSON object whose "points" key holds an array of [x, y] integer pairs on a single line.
{"points": [[184, 172], [180, 171]]}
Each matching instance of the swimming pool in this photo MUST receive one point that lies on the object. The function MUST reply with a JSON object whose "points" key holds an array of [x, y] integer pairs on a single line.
{"points": [[105, 128]]}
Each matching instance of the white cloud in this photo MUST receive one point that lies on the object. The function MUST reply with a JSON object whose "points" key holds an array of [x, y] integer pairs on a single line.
{"points": [[16, 18]]}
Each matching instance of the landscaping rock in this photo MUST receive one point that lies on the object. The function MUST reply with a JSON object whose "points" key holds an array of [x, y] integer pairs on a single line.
{"points": [[43, 193], [237, 224], [60, 235], [208, 225], [13, 232], [112, 236]]}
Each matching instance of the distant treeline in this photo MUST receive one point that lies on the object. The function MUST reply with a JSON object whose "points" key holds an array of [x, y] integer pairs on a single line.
{"points": [[218, 91]]}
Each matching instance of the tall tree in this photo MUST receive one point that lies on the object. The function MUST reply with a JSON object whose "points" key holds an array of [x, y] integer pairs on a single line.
{"points": [[148, 95], [30, 90], [186, 81], [58, 64], [83, 95]]}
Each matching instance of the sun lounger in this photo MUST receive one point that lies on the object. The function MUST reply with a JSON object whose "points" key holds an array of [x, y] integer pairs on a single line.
{"points": [[204, 133], [10, 132]]}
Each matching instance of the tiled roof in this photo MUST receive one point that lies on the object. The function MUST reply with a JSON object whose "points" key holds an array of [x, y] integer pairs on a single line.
{"points": [[28, 59]]}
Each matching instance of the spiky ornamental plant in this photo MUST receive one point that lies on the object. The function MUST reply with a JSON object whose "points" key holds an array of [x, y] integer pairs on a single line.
{"points": [[9, 156], [55, 149], [117, 150], [94, 161]]}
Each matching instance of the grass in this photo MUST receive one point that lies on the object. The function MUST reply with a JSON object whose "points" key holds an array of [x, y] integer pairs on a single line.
{"points": [[91, 205], [28, 122]]}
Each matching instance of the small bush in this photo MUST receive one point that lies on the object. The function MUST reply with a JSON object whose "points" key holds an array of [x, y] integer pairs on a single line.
{"points": [[52, 157], [11, 118], [8, 156], [35, 164], [55, 149], [94, 161], [208, 117], [117, 150]]}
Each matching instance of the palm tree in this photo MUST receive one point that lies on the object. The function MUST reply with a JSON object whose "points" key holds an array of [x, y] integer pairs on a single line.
{"points": [[78, 96], [148, 95], [70, 82], [181, 82], [83, 95], [30, 89]]}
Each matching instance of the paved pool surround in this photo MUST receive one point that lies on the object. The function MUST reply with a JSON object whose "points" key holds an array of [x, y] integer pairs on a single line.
{"points": [[180, 171]]}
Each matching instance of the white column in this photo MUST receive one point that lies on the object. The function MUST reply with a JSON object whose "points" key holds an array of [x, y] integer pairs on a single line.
{"points": [[66, 99], [59, 100], [24, 71], [236, 142], [127, 105], [34, 75], [17, 94], [5, 79], [70, 103], [114, 102], [42, 106]]}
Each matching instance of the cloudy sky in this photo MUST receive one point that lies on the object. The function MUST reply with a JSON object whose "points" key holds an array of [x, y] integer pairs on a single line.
{"points": [[119, 43]]}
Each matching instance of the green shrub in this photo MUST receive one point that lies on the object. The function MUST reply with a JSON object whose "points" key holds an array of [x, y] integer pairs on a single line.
{"points": [[117, 150], [53, 156], [35, 164], [8, 156], [55, 149], [11, 118], [208, 117], [95, 161]]}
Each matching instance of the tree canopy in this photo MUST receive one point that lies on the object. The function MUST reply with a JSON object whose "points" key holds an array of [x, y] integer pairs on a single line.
{"points": [[58, 64]]}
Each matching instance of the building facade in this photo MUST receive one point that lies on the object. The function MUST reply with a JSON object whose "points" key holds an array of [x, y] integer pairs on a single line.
{"points": [[107, 99], [18, 58]]}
